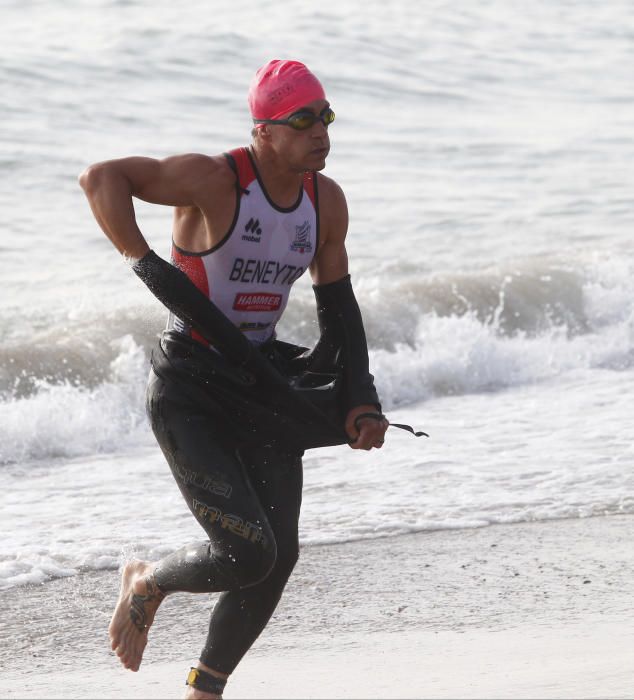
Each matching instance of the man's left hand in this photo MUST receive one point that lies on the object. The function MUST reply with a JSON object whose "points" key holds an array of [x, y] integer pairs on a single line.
{"points": [[371, 432]]}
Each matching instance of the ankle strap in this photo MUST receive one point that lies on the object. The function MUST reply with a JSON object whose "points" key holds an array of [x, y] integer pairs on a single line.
{"points": [[204, 681]]}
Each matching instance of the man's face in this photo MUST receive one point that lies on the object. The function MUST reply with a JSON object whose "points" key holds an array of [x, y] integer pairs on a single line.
{"points": [[303, 150]]}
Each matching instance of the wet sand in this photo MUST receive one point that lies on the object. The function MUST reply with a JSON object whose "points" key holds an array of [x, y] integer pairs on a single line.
{"points": [[525, 610]]}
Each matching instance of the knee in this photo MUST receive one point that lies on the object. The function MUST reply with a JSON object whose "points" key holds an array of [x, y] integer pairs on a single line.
{"points": [[274, 564], [248, 566], [286, 561]]}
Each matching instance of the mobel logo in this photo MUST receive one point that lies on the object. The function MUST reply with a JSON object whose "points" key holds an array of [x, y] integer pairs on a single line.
{"points": [[253, 232]]}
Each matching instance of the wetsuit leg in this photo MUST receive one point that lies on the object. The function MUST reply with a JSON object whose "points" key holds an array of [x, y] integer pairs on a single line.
{"points": [[240, 616], [247, 501], [241, 549]]}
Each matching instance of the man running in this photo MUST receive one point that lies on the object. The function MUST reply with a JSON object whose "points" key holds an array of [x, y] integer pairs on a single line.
{"points": [[247, 224]]}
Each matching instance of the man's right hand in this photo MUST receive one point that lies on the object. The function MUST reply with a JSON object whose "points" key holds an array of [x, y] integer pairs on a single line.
{"points": [[366, 432]]}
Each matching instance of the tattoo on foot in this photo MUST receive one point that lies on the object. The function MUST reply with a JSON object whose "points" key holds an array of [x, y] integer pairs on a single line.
{"points": [[138, 613]]}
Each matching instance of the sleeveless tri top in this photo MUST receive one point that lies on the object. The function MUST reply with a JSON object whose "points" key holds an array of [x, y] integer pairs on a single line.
{"points": [[249, 273]]}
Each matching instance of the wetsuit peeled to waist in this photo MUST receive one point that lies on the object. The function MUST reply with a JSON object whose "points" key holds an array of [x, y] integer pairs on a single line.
{"points": [[286, 406]]}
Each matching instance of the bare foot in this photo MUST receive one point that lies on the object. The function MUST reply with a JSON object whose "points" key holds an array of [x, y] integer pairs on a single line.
{"points": [[138, 601]]}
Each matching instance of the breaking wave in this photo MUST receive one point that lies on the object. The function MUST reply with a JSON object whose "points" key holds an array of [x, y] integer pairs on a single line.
{"points": [[80, 391]]}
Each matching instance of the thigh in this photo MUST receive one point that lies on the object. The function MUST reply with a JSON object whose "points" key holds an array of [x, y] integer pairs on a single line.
{"points": [[277, 478], [205, 464]]}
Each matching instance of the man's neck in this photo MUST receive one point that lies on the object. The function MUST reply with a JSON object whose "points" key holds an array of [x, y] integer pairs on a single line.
{"points": [[281, 182]]}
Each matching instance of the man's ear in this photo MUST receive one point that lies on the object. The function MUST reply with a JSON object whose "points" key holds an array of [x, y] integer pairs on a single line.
{"points": [[265, 132]]}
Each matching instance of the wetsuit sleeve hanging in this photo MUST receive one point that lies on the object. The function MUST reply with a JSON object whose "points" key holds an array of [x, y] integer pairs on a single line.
{"points": [[283, 408], [179, 294]]}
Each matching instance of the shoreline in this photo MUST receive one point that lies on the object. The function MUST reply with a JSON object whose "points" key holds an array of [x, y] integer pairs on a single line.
{"points": [[524, 610]]}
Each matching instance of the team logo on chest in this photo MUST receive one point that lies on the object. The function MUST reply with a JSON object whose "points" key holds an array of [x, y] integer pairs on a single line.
{"points": [[252, 231], [302, 243], [257, 302]]}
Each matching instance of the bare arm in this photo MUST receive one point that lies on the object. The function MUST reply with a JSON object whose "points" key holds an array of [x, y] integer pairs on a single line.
{"points": [[331, 262], [331, 265], [111, 185]]}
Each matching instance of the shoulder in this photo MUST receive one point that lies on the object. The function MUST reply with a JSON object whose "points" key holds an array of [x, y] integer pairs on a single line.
{"points": [[330, 192], [333, 208], [205, 167], [207, 177]]}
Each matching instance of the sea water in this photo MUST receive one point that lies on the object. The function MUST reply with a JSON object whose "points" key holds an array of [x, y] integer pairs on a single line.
{"points": [[486, 152]]}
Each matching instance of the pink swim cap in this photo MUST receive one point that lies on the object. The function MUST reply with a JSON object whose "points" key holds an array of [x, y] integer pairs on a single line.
{"points": [[281, 87]]}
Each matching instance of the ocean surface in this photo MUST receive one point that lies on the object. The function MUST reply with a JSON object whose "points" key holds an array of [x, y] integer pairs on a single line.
{"points": [[487, 153]]}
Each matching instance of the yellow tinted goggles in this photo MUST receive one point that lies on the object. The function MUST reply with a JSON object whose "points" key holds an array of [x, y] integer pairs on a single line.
{"points": [[302, 120]]}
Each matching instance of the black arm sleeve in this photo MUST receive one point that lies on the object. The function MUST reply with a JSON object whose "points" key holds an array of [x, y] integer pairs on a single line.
{"points": [[180, 295], [341, 327]]}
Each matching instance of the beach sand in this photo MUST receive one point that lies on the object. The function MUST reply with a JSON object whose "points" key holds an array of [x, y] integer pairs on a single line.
{"points": [[523, 610]]}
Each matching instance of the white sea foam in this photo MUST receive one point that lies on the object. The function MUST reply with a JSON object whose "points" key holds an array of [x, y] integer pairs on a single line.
{"points": [[65, 420], [479, 332], [541, 451], [21, 571]]}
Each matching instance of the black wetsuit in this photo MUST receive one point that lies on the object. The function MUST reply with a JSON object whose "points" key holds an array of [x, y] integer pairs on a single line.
{"points": [[247, 500], [233, 423]]}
